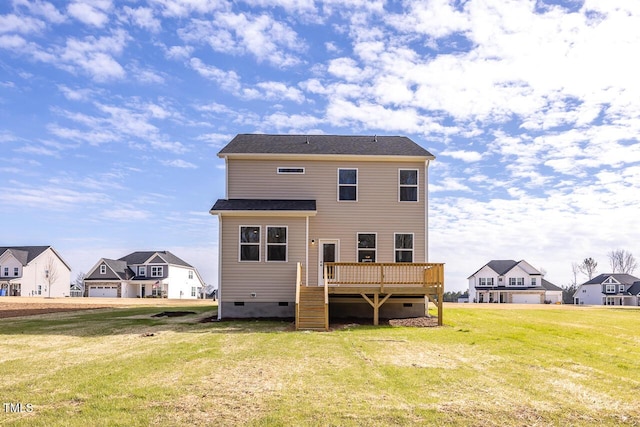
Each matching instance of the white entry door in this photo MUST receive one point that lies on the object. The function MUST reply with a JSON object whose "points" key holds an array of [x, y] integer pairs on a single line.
{"points": [[329, 251]]}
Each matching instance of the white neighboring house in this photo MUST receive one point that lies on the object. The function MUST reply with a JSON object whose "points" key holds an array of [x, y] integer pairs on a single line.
{"points": [[145, 274], [609, 289], [509, 281], [33, 271]]}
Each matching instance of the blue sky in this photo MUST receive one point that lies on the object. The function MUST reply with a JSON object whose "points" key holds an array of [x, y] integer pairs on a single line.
{"points": [[112, 112]]}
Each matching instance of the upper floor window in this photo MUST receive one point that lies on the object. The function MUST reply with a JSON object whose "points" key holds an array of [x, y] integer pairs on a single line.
{"points": [[485, 281], [142, 270], [348, 184], [404, 247], [6, 271], [620, 287], [366, 247], [288, 170], [610, 289], [533, 281], [408, 185], [16, 271], [156, 271], [250, 243], [190, 274], [103, 269], [276, 243], [516, 281]]}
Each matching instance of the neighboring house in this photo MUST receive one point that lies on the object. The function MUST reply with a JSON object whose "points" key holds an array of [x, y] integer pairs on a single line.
{"points": [[311, 200], [33, 271], [158, 274], [76, 290], [609, 289], [508, 281]]}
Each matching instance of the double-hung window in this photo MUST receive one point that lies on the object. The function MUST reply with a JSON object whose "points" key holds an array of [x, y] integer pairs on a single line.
{"points": [[103, 269], [485, 281], [190, 274], [348, 184], [620, 288], [142, 270], [408, 185], [516, 281], [404, 247], [156, 271], [610, 289], [250, 243], [16, 271], [533, 281], [366, 247], [277, 243]]}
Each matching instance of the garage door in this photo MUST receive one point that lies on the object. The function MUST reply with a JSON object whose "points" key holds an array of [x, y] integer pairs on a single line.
{"points": [[103, 291], [526, 299]]}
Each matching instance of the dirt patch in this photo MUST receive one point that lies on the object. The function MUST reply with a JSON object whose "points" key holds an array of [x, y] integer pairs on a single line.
{"points": [[174, 313], [22, 309]]}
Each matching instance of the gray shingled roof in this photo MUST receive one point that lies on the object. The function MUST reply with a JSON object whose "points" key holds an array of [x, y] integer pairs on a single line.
{"points": [[550, 286], [120, 268], [634, 289], [324, 144], [24, 254], [625, 279], [502, 266], [141, 256], [263, 205]]}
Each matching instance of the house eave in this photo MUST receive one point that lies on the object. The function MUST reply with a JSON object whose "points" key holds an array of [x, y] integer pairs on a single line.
{"points": [[263, 213], [330, 157]]}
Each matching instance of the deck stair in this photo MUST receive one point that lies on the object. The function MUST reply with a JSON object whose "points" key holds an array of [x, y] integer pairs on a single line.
{"points": [[312, 310]]}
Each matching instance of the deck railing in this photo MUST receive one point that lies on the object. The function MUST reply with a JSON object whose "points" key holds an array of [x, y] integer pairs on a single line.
{"points": [[390, 275]]}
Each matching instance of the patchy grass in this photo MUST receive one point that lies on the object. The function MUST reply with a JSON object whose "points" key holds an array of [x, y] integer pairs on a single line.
{"points": [[486, 367]]}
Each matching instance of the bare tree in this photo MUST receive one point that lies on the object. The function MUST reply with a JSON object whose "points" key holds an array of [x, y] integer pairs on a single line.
{"points": [[79, 281], [622, 261], [50, 273], [588, 267], [570, 289]]}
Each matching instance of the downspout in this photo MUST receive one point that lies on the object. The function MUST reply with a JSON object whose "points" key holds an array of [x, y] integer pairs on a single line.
{"points": [[426, 211], [306, 255], [219, 293]]}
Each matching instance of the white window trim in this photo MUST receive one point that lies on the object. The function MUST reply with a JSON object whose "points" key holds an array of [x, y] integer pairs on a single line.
{"points": [[190, 274], [412, 250], [620, 288], [349, 185], [142, 270], [103, 269], [16, 271], [610, 288], [282, 170], [266, 243], [367, 249], [417, 185], [159, 270], [259, 244]]}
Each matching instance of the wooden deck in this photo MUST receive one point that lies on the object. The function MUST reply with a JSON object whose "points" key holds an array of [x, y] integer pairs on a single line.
{"points": [[374, 282]]}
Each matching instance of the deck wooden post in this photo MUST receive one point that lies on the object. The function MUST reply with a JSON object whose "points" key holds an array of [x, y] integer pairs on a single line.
{"points": [[376, 309]]}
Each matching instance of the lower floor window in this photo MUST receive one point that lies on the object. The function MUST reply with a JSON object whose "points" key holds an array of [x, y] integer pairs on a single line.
{"points": [[193, 291], [276, 243], [366, 247], [404, 247]]}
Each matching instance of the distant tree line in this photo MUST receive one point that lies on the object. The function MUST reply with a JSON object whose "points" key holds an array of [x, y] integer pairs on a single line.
{"points": [[453, 296], [621, 262]]}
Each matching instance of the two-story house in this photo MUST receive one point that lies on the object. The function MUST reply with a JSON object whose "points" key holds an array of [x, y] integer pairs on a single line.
{"points": [[314, 201], [609, 289], [33, 271], [143, 274], [509, 281]]}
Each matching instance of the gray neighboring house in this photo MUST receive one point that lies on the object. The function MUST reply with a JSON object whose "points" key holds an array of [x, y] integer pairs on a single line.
{"points": [[609, 289], [509, 281], [143, 274], [311, 199]]}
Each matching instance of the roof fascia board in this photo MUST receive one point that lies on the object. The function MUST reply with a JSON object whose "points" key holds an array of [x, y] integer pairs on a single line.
{"points": [[264, 213], [342, 157]]}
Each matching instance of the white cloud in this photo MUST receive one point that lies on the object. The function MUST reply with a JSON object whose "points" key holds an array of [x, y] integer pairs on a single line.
{"points": [[125, 215], [465, 156], [179, 163], [20, 24], [143, 17], [90, 12]]}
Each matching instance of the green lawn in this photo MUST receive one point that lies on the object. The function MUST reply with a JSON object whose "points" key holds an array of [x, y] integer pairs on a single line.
{"points": [[485, 367]]}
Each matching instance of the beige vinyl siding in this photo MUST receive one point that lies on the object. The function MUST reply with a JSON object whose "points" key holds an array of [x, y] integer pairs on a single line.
{"points": [[378, 209], [271, 281]]}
